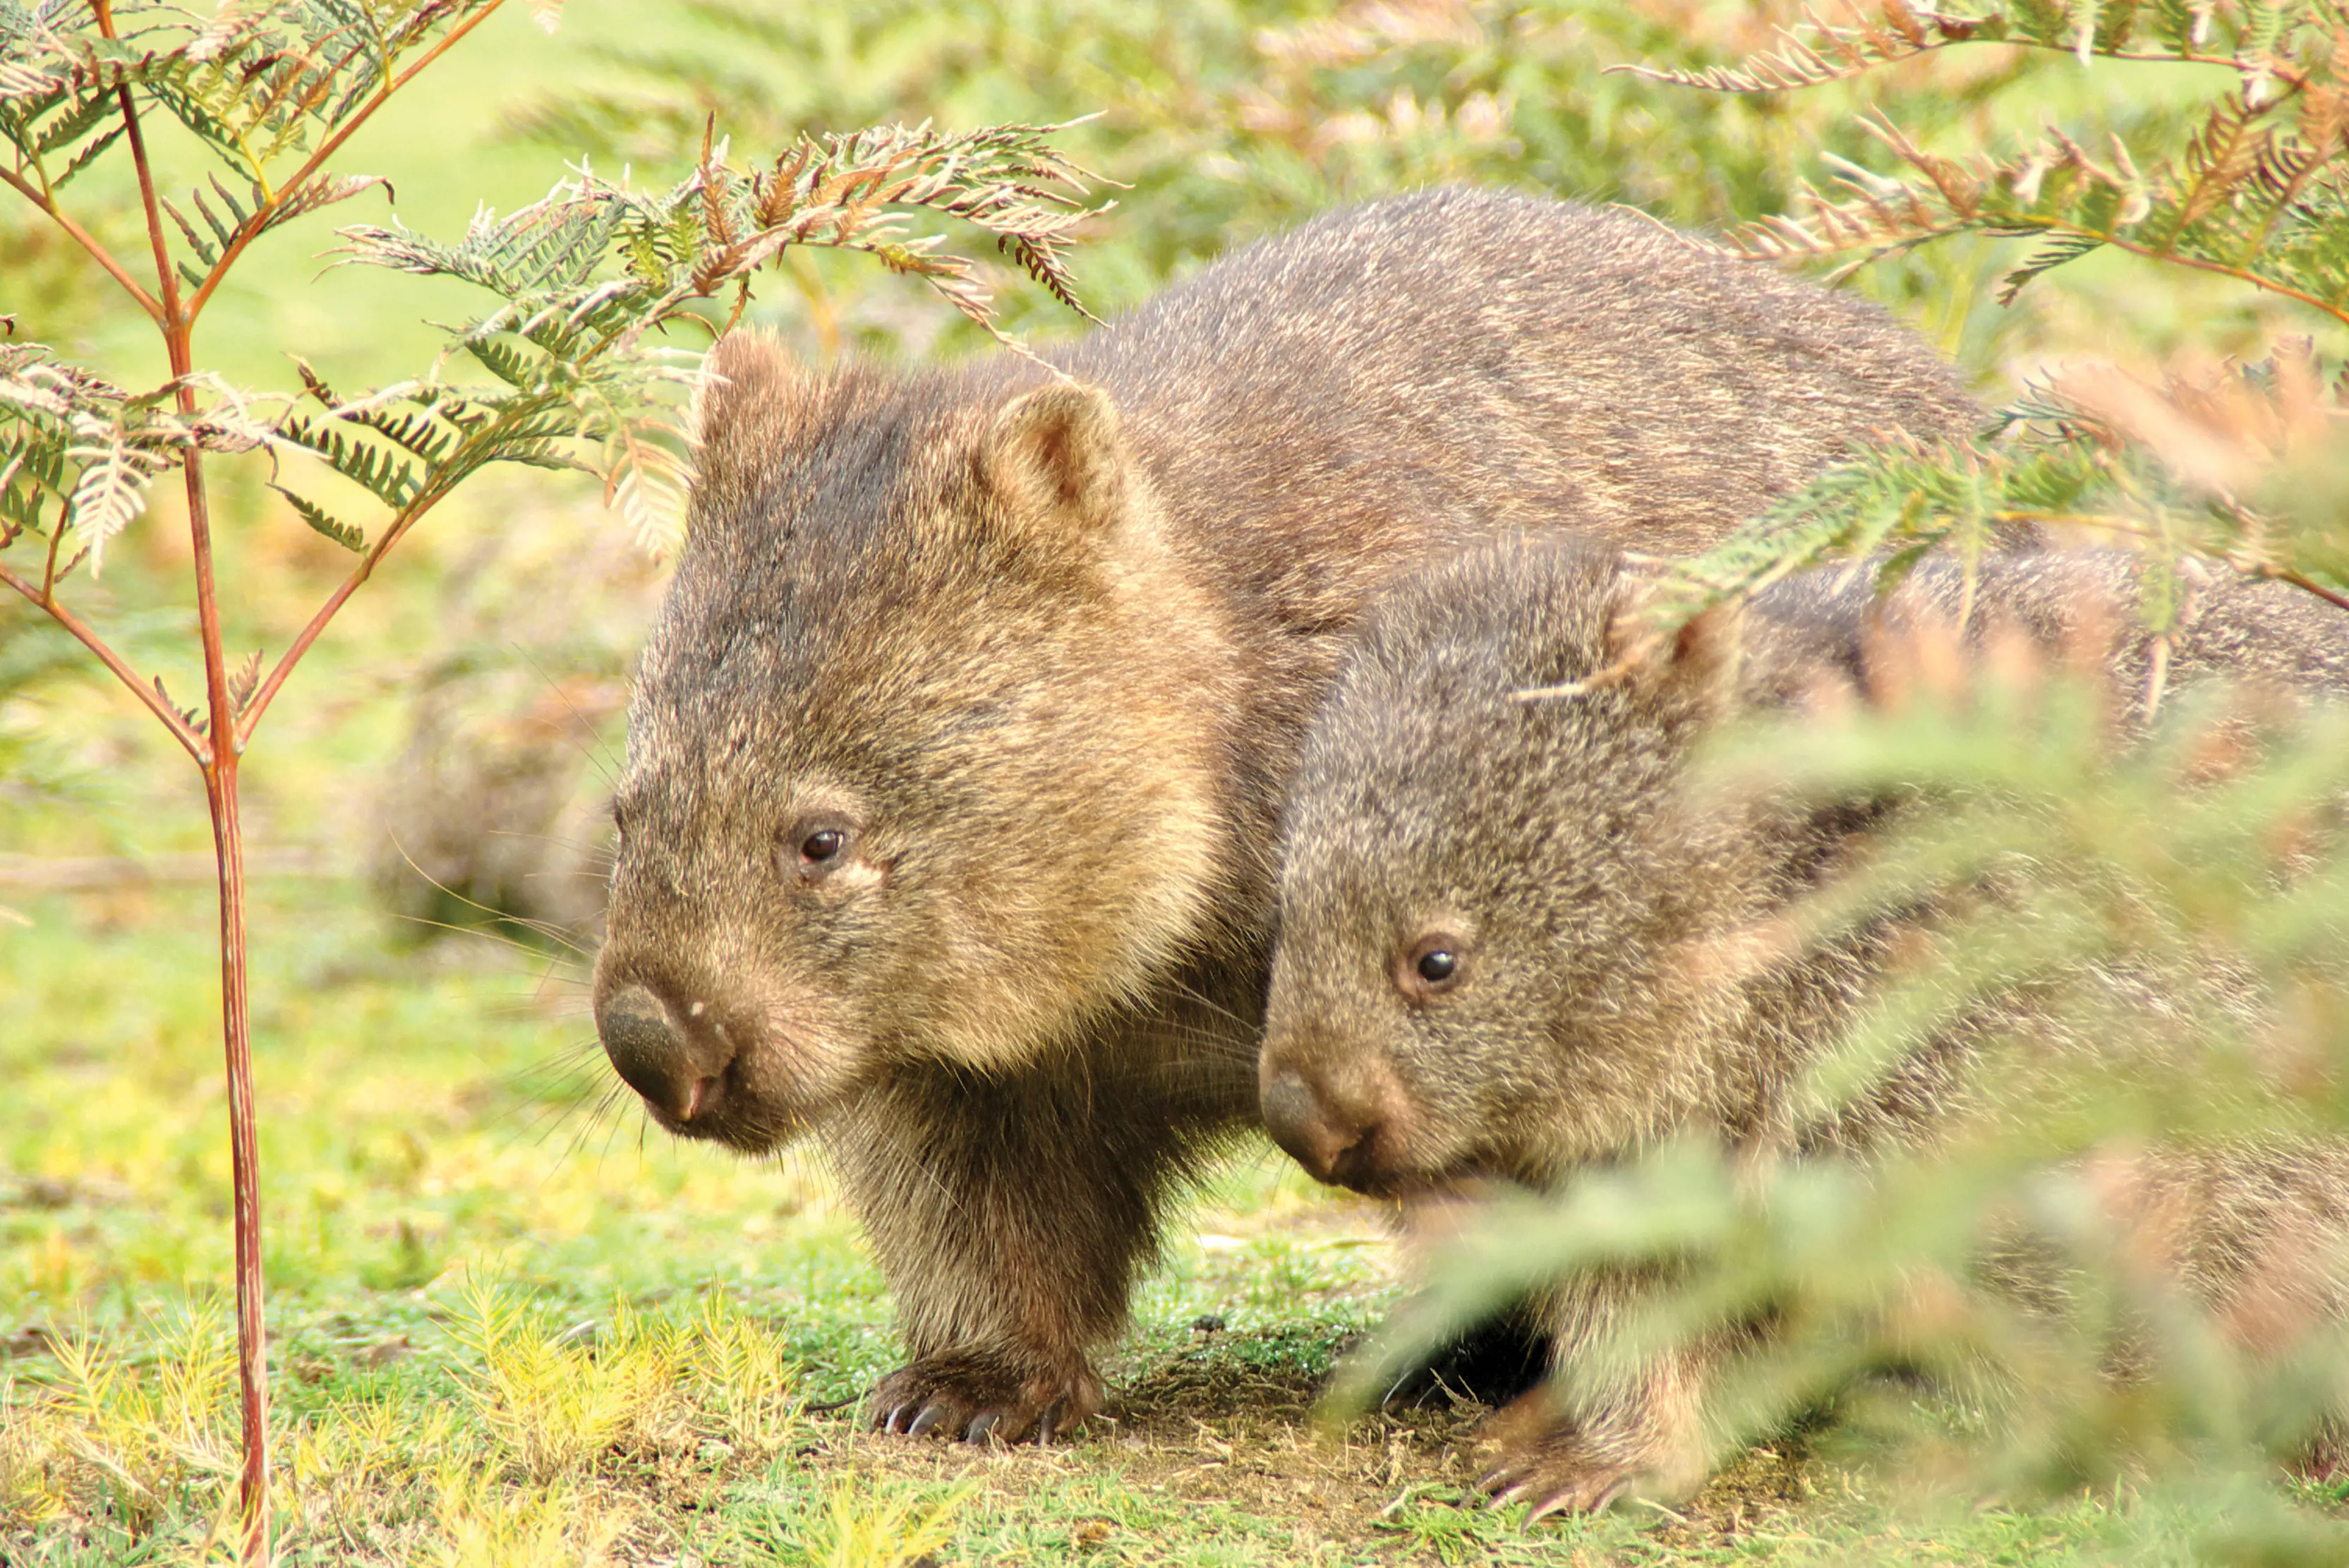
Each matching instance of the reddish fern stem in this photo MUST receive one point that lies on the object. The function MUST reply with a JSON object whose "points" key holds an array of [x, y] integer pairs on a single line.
{"points": [[88, 639], [86, 240], [261, 697], [220, 770], [2302, 581], [49, 572], [1845, 73]]}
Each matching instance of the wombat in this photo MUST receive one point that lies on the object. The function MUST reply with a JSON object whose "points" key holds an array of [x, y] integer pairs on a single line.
{"points": [[1512, 946], [948, 822]]}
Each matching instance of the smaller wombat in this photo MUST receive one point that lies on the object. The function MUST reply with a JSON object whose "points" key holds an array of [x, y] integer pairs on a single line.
{"points": [[1504, 921]]}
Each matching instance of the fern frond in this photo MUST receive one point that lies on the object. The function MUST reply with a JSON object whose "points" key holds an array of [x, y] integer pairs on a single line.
{"points": [[111, 489], [2247, 196], [350, 539], [2229, 464], [1818, 51], [393, 479]]}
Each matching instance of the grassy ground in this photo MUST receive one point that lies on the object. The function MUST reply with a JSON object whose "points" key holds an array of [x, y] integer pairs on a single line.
{"points": [[511, 1328]]}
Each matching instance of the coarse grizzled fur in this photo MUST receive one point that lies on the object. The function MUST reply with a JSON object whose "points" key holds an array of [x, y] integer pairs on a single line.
{"points": [[949, 815], [1497, 780]]}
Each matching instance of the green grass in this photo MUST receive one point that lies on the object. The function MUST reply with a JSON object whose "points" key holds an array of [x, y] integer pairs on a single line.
{"points": [[511, 1327]]}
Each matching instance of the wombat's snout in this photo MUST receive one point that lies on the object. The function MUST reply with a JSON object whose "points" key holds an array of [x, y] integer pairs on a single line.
{"points": [[1341, 1128], [680, 1070]]}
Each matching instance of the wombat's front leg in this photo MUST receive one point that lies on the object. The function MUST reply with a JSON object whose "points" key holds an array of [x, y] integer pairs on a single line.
{"points": [[1581, 1442], [1008, 1216]]}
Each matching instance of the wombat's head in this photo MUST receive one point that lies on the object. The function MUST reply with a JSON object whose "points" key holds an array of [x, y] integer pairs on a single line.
{"points": [[1477, 969], [910, 772]]}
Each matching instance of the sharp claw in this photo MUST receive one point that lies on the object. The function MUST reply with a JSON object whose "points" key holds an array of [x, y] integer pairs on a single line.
{"points": [[1559, 1502], [898, 1417], [1045, 1428], [1513, 1492], [930, 1416], [982, 1427]]}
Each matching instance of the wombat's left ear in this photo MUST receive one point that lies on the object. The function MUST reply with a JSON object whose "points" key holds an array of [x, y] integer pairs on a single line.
{"points": [[1055, 461], [1697, 662], [748, 409]]}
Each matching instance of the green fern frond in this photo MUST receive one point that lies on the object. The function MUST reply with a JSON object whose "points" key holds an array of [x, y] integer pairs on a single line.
{"points": [[349, 537], [392, 479]]}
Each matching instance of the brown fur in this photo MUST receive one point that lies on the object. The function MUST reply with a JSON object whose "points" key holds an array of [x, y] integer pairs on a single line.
{"points": [[1609, 991], [1027, 659]]}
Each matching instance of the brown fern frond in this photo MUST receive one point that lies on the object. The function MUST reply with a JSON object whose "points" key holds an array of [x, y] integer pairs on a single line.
{"points": [[2228, 147], [1816, 51]]}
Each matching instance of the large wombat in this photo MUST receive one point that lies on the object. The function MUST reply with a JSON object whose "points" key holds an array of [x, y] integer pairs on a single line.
{"points": [[1513, 946], [949, 816]]}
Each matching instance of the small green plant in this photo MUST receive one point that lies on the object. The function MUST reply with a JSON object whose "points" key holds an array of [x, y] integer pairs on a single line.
{"points": [[857, 1530], [572, 367]]}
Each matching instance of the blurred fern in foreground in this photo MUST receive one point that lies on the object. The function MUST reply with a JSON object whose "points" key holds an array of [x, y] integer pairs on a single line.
{"points": [[2176, 909], [2162, 926], [2248, 463]]}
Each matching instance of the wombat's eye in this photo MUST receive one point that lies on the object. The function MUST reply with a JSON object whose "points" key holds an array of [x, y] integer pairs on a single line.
{"points": [[1431, 966], [823, 847]]}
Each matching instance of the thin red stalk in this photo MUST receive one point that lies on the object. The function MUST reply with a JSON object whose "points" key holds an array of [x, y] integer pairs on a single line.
{"points": [[220, 770], [244, 1154], [261, 697], [49, 572], [2310, 585], [251, 228], [128, 677], [2242, 275], [88, 242]]}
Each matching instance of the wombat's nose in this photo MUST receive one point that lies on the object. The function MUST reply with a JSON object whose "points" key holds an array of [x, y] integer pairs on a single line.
{"points": [[654, 1057], [1317, 1130]]}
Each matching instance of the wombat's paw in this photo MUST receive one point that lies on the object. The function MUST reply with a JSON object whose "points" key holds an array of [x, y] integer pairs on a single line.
{"points": [[979, 1400], [1526, 1455], [1561, 1478]]}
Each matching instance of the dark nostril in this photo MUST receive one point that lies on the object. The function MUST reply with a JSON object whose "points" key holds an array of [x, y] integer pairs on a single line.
{"points": [[1303, 1122], [652, 1056]]}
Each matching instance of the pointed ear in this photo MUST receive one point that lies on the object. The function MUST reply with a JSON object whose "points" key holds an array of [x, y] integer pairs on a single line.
{"points": [[1055, 461], [753, 404]]}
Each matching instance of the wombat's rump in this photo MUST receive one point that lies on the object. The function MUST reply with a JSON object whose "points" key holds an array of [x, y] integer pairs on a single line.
{"points": [[1511, 946], [949, 814]]}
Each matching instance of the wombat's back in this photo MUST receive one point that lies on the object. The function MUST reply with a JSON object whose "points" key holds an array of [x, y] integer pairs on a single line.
{"points": [[1496, 361], [2087, 607]]}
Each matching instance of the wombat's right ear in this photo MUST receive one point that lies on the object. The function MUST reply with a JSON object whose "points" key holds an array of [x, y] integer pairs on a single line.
{"points": [[1054, 459], [750, 404], [1696, 662]]}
